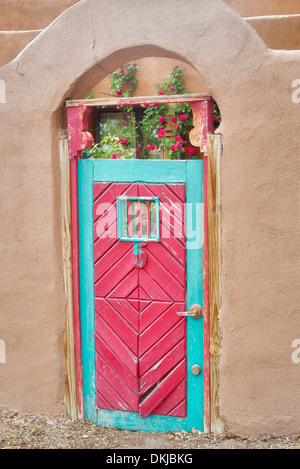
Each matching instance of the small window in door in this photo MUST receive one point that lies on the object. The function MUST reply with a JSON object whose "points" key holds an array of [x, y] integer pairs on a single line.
{"points": [[138, 219]]}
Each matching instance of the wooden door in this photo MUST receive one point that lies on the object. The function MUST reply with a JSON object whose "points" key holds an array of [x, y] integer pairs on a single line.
{"points": [[137, 352]]}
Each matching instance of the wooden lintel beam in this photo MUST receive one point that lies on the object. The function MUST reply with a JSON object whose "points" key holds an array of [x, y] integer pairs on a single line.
{"points": [[116, 101]]}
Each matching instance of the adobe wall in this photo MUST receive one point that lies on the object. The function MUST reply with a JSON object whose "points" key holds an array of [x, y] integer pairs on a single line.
{"points": [[22, 20], [278, 32], [248, 8], [22, 15], [259, 383]]}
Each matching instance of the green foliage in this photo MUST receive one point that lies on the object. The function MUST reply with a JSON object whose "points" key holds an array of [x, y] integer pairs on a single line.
{"points": [[89, 96], [110, 147], [163, 126], [124, 82], [178, 117]]}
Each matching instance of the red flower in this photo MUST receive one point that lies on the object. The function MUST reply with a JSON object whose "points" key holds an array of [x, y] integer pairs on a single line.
{"points": [[176, 126], [163, 120], [161, 133], [178, 139], [149, 147], [114, 156], [135, 65], [173, 87], [123, 141], [182, 117], [124, 123], [161, 93], [119, 93], [179, 146], [146, 105], [152, 147], [176, 66], [173, 118], [122, 73], [154, 104], [217, 119], [172, 148], [190, 150]]}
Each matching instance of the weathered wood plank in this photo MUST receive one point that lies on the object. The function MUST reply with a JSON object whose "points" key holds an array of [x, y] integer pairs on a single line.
{"points": [[214, 249], [115, 101], [163, 390], [69, 342]]}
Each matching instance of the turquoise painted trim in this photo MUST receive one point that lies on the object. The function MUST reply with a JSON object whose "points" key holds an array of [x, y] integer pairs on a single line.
{"points": [[86, 281], [140, 170], [189, 172], [194, 276]]}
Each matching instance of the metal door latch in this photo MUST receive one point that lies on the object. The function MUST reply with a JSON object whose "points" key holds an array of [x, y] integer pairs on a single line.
{"points": [[195, 311]]}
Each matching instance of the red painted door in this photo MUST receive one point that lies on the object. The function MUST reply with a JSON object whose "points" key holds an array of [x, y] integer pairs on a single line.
{"points": [[140, 342]]}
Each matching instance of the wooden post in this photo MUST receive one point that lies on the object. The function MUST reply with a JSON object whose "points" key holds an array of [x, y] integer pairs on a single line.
{"points": [[70, 379], [214, 273], [80, 139], [203, 120]]}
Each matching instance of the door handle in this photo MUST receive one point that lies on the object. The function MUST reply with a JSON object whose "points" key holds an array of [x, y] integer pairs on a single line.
{"points": [[195, 311]]}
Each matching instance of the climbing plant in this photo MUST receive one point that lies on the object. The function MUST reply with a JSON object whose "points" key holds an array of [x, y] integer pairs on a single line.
{"points": [[162, 128]]}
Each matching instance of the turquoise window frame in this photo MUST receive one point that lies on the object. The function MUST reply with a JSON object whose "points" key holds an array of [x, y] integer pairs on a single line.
{"points": [[122, 236]]}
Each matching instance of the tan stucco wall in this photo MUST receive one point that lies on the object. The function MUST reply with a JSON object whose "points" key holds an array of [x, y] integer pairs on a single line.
{"points": [[13, 42], [278, 32], [247, 8], [21, 15], [259, 383]]}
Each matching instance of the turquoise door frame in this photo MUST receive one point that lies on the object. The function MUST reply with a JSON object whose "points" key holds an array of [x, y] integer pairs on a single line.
{"points": [[148, 171]]}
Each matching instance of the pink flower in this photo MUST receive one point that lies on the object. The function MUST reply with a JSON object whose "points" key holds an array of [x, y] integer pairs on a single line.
{"points": [[119, 93], [172, 148], [122, 73], [173, 87], [124, 123], [146, 105], [163, 120], [179, 146], [190, 150], [217, 119], [161, 93], [123, 141], [154, 104], [176, 126], [161, 133], [176, 66], [152, 147], [178, 139], [121, 107], [114, 156], [149, 147], [135, 65], [182, 117], [173, 118]]}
